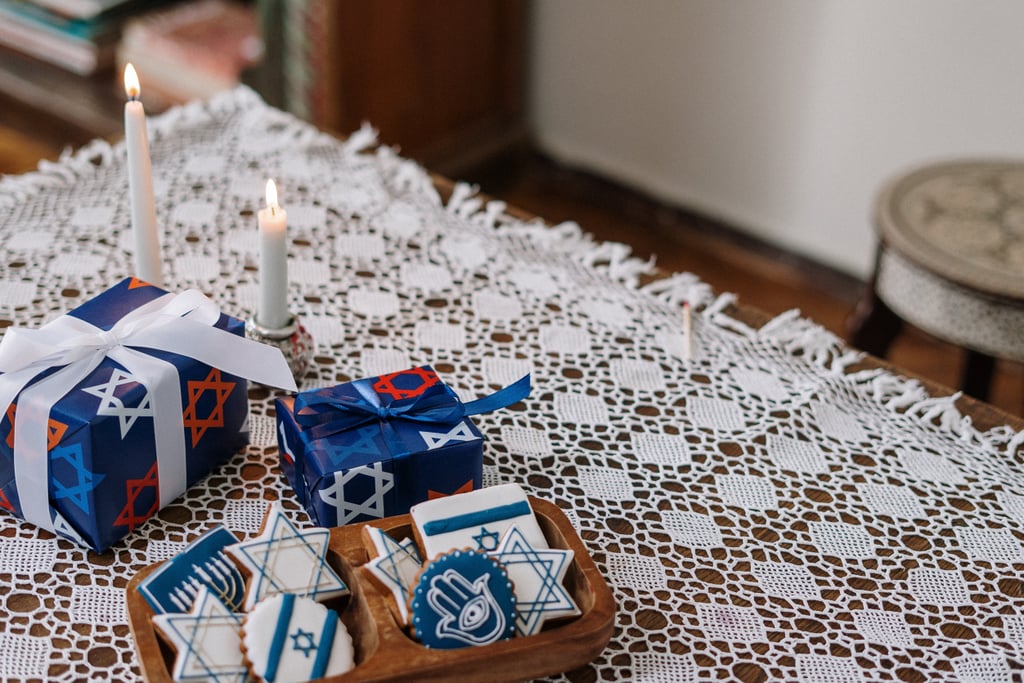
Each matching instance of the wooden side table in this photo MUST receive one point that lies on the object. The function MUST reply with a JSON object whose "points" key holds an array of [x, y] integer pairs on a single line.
{"points": [[950, 261]]}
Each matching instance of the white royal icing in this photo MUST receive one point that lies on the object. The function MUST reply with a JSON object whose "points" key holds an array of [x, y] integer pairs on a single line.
{"points": [[207, 641], [395, 566], [538, 575], [476, 520], [291, 638], [283, 559]]}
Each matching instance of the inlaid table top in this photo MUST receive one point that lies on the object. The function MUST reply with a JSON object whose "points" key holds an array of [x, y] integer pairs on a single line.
{"points": [[962, 220]]}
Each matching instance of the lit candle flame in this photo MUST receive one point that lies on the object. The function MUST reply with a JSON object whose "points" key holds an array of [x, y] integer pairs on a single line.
{"points": [[271, 195], [131, 82]]}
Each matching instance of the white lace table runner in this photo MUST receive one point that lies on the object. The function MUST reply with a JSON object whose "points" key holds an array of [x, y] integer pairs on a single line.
{"points": [[759, 513]]}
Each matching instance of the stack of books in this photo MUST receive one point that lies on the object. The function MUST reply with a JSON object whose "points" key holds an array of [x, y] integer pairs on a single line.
{"points": [[78, 35]]}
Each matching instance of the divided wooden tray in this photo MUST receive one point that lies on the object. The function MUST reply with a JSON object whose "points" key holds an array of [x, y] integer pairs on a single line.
{"points": [[383, 650]]}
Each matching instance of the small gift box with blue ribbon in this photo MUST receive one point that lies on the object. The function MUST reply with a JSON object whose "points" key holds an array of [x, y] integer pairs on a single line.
{"points": [[111, 411], [375, 447]]}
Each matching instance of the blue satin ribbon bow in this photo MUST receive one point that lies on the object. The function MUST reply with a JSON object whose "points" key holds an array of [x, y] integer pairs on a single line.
{"points": [[330, 411]]}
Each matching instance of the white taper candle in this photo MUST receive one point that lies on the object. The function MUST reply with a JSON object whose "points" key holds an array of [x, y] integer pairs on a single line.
{"points": [[148, 264], [273, 223]]}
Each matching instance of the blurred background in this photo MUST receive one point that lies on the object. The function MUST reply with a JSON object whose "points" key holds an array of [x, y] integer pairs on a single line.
{"points": [[744, 141]]}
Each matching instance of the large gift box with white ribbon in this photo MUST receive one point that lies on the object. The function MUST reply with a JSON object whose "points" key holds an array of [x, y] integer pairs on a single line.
{"points": [[114, 409], [375, 447]]}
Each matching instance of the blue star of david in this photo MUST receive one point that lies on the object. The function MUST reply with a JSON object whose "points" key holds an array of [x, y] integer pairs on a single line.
{"points": [[86, 481], [486, 540], [199, 637], [272, 557], [112, 405], [362, 443], [307, 646], [537, 575], [394, 552]]}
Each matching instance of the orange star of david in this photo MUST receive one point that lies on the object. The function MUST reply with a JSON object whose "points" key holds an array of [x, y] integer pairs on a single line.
{"points": [[465, 488], [134, 487], [53, 437], [5, 502], [221, 390], [135, 283], [385, 383]]}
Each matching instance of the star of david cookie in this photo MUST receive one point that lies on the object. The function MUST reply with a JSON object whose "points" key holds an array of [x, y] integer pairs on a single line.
{"points": [[475, 520], [207, 641], [461, 599], [393, 568], [289, 638], [283, 559], [538, 576]]}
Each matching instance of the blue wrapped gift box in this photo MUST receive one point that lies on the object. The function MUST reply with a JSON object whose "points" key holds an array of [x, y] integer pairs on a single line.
{"points": [[375, 447], [109, 404]]}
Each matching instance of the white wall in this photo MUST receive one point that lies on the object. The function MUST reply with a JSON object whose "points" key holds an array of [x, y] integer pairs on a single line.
{"points": [[784, 117]]}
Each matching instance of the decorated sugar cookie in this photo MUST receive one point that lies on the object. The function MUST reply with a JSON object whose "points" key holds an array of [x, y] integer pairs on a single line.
{"points": [[461, 599], [475, 520], [394, 568], [538, 576], [174, 585], [283, 559], [206, 641], [290, 638]]}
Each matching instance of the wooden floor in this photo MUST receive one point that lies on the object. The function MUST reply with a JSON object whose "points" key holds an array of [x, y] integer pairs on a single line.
{"points": [[768, 279]]}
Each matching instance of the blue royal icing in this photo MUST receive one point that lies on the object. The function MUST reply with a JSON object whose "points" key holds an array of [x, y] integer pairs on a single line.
{"points": [[462, 599]]}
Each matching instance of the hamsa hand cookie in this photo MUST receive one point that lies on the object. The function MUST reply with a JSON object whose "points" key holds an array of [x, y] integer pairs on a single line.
{"points": [[461, 599]]}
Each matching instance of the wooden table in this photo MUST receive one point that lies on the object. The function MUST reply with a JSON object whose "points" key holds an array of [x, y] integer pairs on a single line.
{"points": [[780, 507]]}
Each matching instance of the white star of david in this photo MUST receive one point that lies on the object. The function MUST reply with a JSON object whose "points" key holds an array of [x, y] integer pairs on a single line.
{"points": [[459, 432], [208, 641], [374, 503], [112, 405], [283, 559], [537, 575]]}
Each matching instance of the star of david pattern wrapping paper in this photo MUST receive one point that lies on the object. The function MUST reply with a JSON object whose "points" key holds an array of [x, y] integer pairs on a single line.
{"points": [[103, 470], [380, 466]]}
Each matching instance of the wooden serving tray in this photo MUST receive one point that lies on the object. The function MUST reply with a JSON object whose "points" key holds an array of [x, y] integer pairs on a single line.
{"points": [[384, 652]]}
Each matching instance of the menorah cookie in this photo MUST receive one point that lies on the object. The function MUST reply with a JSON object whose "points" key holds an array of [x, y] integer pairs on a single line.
{"points": [[174, 586], [289, 638], [284, 559], [461, 599], [475, 520]]}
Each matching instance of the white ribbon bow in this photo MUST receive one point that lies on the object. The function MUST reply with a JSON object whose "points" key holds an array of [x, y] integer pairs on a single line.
{"points": [[176, 323]]}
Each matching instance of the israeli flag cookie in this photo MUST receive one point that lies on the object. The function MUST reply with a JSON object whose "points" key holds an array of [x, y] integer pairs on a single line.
{"points": [[461, 599], [393, 568], [289, 638], [206, 641], [476, 520]]}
